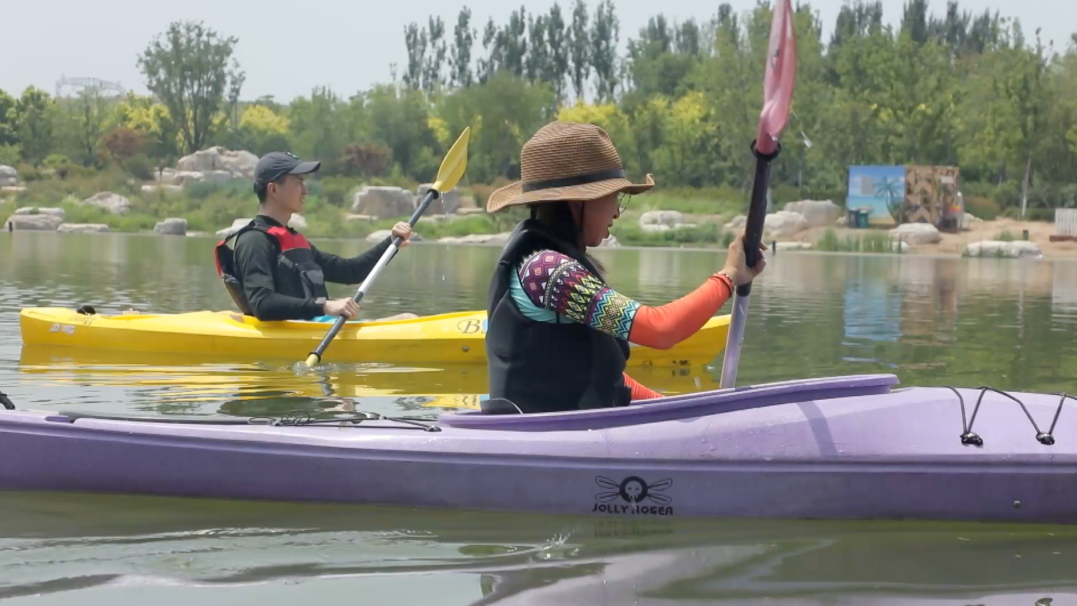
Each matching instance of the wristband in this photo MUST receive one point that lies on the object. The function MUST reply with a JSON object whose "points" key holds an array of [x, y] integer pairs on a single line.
{"points": [[727, 280]]}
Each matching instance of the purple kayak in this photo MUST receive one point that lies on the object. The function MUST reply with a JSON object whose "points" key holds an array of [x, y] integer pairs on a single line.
{"points": [[841, 448]]}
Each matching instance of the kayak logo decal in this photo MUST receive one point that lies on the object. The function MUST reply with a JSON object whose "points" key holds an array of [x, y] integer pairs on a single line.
{"points": [[633, 496], [473, 326]]}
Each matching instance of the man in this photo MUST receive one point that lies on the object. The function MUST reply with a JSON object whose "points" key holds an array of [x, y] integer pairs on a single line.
{"points": [[271, 271]]}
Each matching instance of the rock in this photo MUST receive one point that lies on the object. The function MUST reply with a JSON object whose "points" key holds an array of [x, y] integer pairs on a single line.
{"points": [[916, 233], [113, 203], [34, 210], [217, 176], [968, 219], [464, 211], [171, 227], [651, 228], [792, 246], [447, 204], [382, 234], [817, 212], [469, 203], [83, 228], [499, 239], [12, 189], [610, 242], [783, 224], [383, 202], [149, 189], [366, 218], [996, 248], [842, 221], [33, 222], [297, 221], [233, 228], [900, 247], [8, 176], [737, 223], [238, 164], [669, 218]]}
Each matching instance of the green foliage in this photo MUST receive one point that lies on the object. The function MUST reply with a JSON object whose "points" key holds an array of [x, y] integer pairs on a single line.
{"points": [[187, 67], [10, 154], [140, 167], [869, 242], [707, 234]]}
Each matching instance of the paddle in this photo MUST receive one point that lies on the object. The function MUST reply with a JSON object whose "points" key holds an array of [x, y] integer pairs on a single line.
{"points": [[452, 168], [777, 96]]}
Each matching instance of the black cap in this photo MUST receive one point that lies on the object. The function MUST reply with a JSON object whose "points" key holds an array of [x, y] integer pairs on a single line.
{"points": [[275, 165]]}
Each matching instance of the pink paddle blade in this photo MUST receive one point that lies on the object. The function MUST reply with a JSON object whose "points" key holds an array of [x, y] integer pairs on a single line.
{"points": [[780, 78]]}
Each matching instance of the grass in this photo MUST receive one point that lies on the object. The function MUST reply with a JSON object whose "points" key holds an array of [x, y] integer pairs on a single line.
{"points": [[1006, 236], [870, 242], [706, 234]]}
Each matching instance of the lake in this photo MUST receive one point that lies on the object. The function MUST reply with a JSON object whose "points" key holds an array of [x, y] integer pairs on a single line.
{"points": [[931, 321]]}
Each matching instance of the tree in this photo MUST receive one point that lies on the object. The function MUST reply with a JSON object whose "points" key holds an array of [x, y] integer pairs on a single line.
{"points": [[262, 130], [557, 43], [604, 37], [432, 77], [81, 123], [123, 143], [580, 48], [366, 160], [188, 68], [460, 58], [7, 125], [33, 116], [415, 40]]}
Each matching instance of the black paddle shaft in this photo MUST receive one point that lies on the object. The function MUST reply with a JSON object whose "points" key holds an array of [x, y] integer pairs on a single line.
{"points": [[339, 323], [757, 212]]}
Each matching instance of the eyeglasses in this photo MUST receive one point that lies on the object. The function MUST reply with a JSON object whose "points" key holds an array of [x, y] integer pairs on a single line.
{"points": [[622, 203]]}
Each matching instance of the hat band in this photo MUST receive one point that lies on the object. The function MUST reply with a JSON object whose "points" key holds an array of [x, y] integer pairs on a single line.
{"points": [[616, 173]]}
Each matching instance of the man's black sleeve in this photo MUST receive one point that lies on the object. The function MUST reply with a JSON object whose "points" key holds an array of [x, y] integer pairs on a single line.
{"points": [[350, 271], [255, 256]]}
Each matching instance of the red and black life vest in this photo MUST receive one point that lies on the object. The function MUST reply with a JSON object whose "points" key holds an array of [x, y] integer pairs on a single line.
{"points": [[296, 273]]}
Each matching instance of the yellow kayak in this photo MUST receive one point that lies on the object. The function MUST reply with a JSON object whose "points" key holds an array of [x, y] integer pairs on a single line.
{"points": [[455, 338]]}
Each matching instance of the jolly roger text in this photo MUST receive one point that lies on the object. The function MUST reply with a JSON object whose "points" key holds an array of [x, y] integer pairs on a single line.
{"points": [[642, 510]]}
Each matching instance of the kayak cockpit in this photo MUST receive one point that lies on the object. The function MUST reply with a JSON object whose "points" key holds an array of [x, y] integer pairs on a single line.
{"points": [[506, 416]]}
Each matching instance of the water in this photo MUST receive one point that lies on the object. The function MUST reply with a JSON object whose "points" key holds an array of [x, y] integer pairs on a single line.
{"points": [[930, 321]]}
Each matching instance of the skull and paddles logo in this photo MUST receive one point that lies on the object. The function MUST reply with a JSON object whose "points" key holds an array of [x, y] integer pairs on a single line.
{"points": [[633, 496]]}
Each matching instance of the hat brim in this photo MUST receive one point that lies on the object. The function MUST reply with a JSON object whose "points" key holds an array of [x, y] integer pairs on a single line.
{"points": [[514, 195], [305, 168]]}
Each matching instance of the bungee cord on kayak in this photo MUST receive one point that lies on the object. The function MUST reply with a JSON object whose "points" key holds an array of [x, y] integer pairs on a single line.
{"points": [[968, 437], [6, 402]]}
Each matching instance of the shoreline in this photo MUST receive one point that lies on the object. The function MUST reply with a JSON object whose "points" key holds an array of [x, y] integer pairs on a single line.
{"points": [[1051, 251]]}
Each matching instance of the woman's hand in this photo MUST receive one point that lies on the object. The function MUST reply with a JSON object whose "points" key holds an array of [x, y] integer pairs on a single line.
{"points": [[736, 266], [403, 231]]}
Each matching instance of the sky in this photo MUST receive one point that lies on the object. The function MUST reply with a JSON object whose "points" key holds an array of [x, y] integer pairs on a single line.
{"points": [[288, 48]]}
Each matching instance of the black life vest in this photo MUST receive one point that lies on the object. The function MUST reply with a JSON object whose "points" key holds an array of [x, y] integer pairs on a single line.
{"points": [[541, 366], [296, 273]]}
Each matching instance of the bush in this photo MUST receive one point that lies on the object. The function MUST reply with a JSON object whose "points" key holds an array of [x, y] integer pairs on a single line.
{"points": [[631, 234], [336, 190], [869, 242], [984, 208], [140, 167], [10, 154]]}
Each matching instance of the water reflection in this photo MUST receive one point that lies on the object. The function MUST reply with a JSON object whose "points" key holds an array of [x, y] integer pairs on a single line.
{"points": [[52, 544]]}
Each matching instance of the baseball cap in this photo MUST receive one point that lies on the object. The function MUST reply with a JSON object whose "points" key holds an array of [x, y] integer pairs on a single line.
{"points": [[275, 165]]}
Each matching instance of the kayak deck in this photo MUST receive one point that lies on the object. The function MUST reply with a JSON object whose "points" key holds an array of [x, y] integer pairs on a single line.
{"points": [[454, 338], [846, 447]]}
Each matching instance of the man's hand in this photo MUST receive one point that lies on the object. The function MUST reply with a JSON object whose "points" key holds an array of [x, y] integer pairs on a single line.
{"points": [[341, 307], [403, 231]]}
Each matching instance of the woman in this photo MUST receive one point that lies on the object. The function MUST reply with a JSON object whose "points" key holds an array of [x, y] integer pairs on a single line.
{"points": [[558, 335]]}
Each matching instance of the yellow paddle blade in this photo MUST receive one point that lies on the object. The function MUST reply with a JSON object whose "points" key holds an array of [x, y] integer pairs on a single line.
{"points": [[454, 164]]}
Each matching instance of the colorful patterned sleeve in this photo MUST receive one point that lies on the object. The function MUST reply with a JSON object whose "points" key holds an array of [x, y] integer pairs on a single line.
{"points": [[560, 284]]}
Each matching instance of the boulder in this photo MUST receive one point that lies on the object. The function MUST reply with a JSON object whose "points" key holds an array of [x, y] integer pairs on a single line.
{"points": [[817, 212], [499, 239], [792, 246], [651, 228], [113, 203], [366, 218], [217, 176], [916, 233], [233, 228], [783, 224], [997, 248], [738, 223], [382, 234], [669, 218], [842, 221], [610, 242], [83, 228], [171, 227], [238, 164], [900, 247], [297, 222], [447, 204], [383, 202], [469, 203], [8, 176], [12, 189], [34, 210], [149, 188], [968, 219], [33, 222]]}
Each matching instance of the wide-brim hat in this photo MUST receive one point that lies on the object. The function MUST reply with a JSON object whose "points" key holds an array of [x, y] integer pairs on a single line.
{"points": [[567, 161]]}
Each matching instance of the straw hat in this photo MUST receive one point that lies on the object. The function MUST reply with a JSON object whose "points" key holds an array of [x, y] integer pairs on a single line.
{"points": [[567, 161]]}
